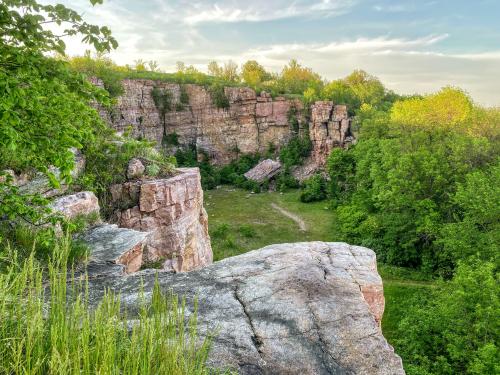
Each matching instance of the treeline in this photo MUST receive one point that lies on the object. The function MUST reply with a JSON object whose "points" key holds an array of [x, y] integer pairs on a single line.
{"points": [[293, 80], [422, 188]]}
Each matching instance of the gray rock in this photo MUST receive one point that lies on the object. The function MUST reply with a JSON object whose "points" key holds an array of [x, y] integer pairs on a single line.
{"points": [[114, 250], [304, 308], [265, 170], [135, 169]]}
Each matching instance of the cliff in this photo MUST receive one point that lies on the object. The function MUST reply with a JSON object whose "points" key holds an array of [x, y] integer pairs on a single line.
{"points": [[249, 124]]}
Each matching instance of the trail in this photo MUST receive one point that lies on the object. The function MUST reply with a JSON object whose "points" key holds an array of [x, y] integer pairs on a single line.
{"points": [[302, 225]]}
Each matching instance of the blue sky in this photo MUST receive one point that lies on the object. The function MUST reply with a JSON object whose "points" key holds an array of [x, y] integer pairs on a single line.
{"points": [[412, 46]]}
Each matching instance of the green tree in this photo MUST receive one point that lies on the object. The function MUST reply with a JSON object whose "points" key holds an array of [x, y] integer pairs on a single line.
{"points": [[295, 79], [457, 330], [44, 105], [253, 74]]}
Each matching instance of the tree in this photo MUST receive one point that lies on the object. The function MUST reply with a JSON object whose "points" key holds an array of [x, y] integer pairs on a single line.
{"points": [[228, 72], [253, 73], [295, 79], [456, 331], [44, 105], [214, 69]]}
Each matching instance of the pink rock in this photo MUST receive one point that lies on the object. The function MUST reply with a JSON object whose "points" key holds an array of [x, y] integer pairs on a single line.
{"points": [[171, 210]]}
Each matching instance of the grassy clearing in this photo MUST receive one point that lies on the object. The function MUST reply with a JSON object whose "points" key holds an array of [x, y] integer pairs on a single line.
{"points": [[240, 222]]}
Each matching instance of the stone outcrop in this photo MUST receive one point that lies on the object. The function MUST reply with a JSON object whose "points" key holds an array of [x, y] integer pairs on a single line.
{"points": [[249, 125], [113, 250], [171, 209], [84, 203], [303, 308], [330, 127], [135, 169], [263, 171]]}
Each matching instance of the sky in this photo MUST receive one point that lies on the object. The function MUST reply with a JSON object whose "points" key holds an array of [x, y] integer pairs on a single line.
{"points": [[412, 46]]}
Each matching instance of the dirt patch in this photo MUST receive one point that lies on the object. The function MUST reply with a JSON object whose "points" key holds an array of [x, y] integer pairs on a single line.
{"points": [[302, 225]]}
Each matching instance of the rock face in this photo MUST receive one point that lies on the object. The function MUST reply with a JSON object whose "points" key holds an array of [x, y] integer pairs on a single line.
{"points": [[304, 308], [71, 206], [114, 250], [330, 127], [265, 170], [249, 125], [172, 211]]}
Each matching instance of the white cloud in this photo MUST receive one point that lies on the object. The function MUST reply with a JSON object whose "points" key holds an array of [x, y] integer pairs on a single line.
{"points": [[258, 10]]}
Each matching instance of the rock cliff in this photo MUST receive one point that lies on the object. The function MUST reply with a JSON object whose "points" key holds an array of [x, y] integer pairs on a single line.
{"points": [[171, 210], [250, 124], [303, 308]]}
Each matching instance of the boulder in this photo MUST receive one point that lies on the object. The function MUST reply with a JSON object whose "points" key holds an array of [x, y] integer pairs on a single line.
{"points": [[80, 204], [303, 308], [171, 209], [114, 250], [263, 171], [135, 169]]}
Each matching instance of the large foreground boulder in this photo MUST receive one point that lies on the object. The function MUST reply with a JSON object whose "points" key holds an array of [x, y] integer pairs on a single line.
{"points": [[304, 308]]}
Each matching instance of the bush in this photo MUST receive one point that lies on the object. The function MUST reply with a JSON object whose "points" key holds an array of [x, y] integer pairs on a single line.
{"points": [[171, 139], [162, 99], [314, 189], [297, 149], [219, 97]]}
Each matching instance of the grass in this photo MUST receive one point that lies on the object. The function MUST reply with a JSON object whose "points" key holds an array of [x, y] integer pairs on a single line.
{"points": [[240, 222], [65, 335]]}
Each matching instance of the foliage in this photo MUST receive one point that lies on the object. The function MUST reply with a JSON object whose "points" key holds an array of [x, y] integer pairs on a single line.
{"points": [[61, 334], [107, 162], [162, 99], [295, 78], [456, 330], [294, 152], [228, 72], [171, 139], [341, 171], [44, 105], [406, 177], [253, 74], [99, 66], [314, 189], [219, 97], [184, 97], [357, 89]]}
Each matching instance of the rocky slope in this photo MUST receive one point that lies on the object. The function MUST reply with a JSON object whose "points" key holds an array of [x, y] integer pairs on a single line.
{"points": [[250, 124], [304, 308]]}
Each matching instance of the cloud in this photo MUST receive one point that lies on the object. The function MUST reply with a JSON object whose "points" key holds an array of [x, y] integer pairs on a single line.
{"points": [[258, 10]]}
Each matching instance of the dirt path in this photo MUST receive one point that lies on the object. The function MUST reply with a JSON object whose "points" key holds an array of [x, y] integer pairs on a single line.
{"points": [[302, 225]]}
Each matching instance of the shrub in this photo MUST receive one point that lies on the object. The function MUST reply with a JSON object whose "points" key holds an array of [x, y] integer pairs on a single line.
{"points": [[153, 170], [297, 149], [171, 139], [247, 231], [162, 99], [314, 189], [219, 97], [184, 97]]}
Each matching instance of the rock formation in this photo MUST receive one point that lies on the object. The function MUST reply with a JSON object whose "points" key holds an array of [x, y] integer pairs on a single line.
{"points": [[113, 250], [304, 308], [263, 171], [80, 204], [171, 209], [330, 127], [249, 125]]}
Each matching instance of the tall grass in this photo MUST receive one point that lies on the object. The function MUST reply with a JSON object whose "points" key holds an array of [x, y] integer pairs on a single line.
{"points": [[48, 327]]}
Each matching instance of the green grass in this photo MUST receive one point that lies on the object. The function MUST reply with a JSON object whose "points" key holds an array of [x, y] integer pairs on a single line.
{"points": [[240, 222], [66, 336], [242, 212]]}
